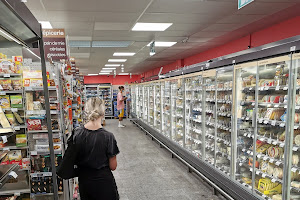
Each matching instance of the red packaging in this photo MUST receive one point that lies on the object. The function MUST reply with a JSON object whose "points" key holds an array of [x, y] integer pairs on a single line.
{"points": [[34, 124]]}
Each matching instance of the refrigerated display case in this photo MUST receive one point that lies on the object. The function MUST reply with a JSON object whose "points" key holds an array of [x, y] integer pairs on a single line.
{"points": [[105, 92], [146, 103], [151, 104]]}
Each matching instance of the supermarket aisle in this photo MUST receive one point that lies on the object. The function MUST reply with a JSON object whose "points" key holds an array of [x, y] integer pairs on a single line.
{"points": [[147, 172]]}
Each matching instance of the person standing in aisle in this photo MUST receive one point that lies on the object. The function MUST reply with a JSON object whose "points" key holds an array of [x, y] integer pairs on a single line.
{"points": [[121, 105], [97, 150]]}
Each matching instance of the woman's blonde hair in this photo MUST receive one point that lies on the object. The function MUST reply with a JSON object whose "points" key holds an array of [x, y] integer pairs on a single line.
{"points": [[94, 109]]}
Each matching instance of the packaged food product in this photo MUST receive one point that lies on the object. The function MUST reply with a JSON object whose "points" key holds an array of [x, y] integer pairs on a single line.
{"points": [[15, 157], [3, 120], [21, 140], [29, 100], [6, 84], [26, 163], [4, 101], [16, 101], [11, 119], [34, 124], [267, 187], [36, 82], [17, 84], [18, 117], [6, 66]]}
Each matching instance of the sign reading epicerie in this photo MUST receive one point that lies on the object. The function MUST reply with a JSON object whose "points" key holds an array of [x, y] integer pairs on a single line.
{"points": [[55, 44]]}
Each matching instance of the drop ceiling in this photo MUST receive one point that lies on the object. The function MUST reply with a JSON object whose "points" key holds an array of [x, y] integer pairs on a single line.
{"points": [[204, 22]]}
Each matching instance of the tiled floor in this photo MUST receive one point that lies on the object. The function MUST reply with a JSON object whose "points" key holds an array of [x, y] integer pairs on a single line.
{"points": [[147, 172]]}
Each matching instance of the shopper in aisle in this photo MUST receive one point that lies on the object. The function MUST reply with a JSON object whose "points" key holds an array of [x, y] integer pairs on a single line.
{"points": [[121, 105], [97, 155]]}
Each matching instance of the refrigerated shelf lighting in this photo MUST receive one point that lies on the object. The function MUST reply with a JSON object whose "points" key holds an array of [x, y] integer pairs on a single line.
{"points": [[8, 36], [32, 53]]}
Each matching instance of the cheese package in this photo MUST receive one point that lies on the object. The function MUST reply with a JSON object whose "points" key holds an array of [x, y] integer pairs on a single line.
{"points": [[6, 66], [21, 140], [4, 101], [16, 101], [11, 119]]}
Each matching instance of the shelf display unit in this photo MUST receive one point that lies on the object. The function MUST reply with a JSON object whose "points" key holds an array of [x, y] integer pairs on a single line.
{"points": [[241, 120], [105, 93], [146, 103]]}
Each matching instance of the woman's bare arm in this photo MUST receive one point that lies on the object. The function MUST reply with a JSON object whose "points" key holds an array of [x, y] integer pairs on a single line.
{"points": [[113, 163]]}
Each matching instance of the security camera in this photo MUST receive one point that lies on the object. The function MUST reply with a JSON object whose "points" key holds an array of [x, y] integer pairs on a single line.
{"points": [[185, 40]]}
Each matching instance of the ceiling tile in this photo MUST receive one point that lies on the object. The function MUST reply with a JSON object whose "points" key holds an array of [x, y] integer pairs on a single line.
{"points": [[101, 26]]}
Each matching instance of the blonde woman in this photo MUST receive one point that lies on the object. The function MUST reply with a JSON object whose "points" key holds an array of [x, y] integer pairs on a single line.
{"points": [[97, 155]]}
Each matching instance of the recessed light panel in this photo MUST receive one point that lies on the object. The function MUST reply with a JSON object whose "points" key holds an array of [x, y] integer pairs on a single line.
{"points": [[163, 44], [76, 43], [92, 74], [46, 24], [117, 60], [111, 43], [151, 26], [123, 73], [124, 54], [112, 65], [104, 73], [108, 68]]}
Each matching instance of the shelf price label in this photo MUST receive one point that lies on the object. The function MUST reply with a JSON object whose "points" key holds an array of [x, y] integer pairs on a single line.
{"points": [[295, 148], [4, 139], [273, 123], [260, 120], [294, 169], [282, 125], [2, 93], [263, 175], [285, 88], [277, 88], [273, 180], [6, 75], [277, 163]]}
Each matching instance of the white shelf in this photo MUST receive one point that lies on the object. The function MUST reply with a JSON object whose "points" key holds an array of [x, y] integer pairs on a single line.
{"points": [[51, 88]]}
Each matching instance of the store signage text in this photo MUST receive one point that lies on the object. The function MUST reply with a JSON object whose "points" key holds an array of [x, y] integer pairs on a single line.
{"points": [[55, 44]]}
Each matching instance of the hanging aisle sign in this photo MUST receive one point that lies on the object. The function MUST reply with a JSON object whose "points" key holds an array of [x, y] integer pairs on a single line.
{"points": [[55, 44], [242, 3], [152, 48]]}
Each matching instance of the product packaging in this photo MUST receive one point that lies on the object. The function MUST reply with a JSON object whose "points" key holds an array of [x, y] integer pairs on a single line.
{"points": [[16, 101], [21, 140], [4, 102]]}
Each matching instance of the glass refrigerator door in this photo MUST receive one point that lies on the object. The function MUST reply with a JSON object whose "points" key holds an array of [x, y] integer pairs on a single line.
{"points": [[157, 108], [166, 97], [244, 122], [151, 105], [141, 102], [146, 104], [224, 110], [210, 115], [194, 114], [294, 165], [177, 111], [271, 125]]}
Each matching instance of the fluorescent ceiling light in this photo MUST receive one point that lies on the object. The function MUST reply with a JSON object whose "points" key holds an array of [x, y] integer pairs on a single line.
{"points": [[124, 54], [46, 24], [92, 74], [151, 26], [112, 65], [108, 68], [111, 43], [103, 73], [117, 60], [78, 43], [163, 44], [123, 73]]}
